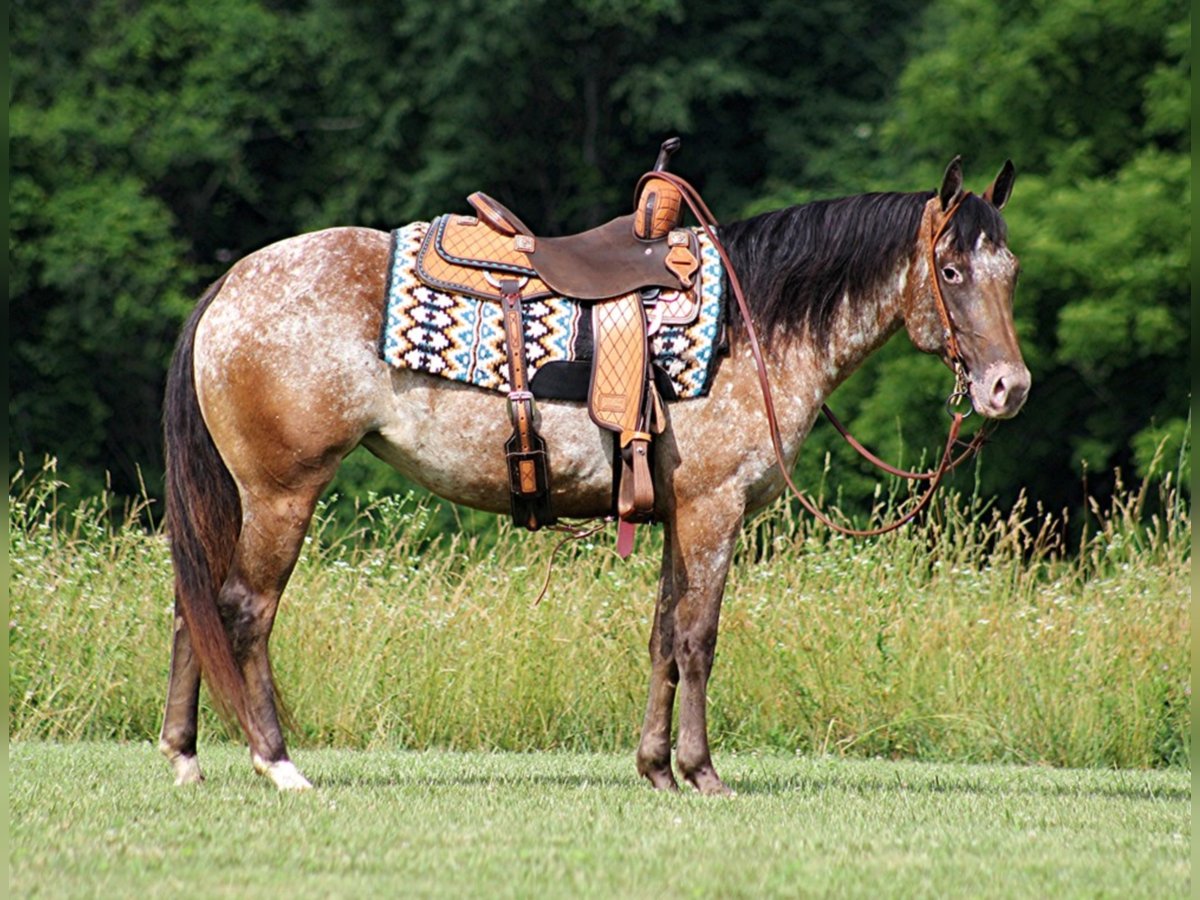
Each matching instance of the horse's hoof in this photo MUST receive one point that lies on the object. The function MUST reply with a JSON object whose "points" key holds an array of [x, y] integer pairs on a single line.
{"points": [[283, 774], [661, 779], [708, 783], [185, 765], [287, 777], [717, 789], [187, 770]]}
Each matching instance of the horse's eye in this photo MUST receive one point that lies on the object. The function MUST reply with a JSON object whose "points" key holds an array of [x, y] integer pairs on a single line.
{"points": [[951, 274]]}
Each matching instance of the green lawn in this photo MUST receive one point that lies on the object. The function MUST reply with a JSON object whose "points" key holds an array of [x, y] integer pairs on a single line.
{"points": [[103, 819]]}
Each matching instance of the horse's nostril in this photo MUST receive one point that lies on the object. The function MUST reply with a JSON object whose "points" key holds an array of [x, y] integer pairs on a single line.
{"points": [[1010, 389]]}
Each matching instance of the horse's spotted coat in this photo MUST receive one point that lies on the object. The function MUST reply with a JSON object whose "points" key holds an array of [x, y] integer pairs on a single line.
{"points": [[288, 379]]}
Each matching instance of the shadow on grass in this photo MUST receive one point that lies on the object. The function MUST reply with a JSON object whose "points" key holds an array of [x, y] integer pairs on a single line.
{"points": [[775, 786], [448, 770], [551, 774], [401, 780]]}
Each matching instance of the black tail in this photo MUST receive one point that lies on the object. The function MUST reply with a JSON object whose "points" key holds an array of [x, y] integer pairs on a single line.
{"points": [[203, 522]]}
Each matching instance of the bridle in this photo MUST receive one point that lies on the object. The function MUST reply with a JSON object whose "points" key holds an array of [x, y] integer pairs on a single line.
{"points": [[953, 353], [960, 393]]}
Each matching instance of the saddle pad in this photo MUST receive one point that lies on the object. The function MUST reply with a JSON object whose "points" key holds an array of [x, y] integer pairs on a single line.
{"points": [[461, 337]]}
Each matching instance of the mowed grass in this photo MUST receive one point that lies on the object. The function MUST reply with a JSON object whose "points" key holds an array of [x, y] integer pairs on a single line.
{"points": [[104, 820]]}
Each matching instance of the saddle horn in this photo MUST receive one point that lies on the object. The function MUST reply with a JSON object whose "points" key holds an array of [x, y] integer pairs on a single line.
{"points": [[665, 152], [658, 203]]}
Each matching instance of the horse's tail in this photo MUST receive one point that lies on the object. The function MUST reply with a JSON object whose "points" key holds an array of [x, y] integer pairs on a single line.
{"points": [[203, 522]]}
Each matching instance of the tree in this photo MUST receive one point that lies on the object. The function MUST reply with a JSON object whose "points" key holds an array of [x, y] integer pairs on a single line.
{"points": [[122, 146], [1092, 101], [155, 141]]}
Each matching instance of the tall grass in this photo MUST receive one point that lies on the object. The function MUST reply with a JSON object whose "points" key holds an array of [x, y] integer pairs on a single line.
{"points": [[973, 636]]}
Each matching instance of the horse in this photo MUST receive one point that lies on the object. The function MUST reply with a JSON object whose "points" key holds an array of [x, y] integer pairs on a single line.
{"points": [[277, 376]]}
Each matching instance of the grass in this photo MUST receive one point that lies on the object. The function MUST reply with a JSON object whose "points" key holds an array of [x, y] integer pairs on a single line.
{"points": [[973, 637], [103, 819]]}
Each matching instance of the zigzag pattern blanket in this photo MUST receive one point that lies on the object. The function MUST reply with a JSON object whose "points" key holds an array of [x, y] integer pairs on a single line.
{"points": [[462, 338]]}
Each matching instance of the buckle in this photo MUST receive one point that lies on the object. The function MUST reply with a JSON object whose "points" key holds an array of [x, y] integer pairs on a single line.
{"points": [[960, 393], [495, 282]]}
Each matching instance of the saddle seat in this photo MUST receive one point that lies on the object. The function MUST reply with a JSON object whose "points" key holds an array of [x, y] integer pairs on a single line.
{"points": [[600, 263], [468, 254]]}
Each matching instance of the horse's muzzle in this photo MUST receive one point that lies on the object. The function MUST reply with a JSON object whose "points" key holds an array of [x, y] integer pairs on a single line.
{"points": [[1000, 391]]}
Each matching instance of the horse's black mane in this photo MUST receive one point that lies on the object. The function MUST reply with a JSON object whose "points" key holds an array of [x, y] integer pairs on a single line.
{"points": [[796, 264]]}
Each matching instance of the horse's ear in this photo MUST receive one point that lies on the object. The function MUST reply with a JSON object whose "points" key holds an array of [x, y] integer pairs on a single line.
{"points": [[952, 183], [1000, 190]]}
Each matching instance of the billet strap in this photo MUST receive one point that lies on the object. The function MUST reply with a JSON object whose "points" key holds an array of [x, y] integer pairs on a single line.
{"points": [[626, 531], [635, 499], [708, 222]]}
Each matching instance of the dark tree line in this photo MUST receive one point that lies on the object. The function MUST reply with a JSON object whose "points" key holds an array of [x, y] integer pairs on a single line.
{"points": [[154, 142]]}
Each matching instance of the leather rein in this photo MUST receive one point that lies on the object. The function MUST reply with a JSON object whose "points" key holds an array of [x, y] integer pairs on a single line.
{"points": [[960, 393]]}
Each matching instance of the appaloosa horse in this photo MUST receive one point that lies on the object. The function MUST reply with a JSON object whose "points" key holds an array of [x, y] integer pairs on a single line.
{"points": [[277, 376]]}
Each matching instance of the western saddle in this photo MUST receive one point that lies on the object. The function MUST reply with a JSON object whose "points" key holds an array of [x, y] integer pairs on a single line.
{"points": [[615, 269]]}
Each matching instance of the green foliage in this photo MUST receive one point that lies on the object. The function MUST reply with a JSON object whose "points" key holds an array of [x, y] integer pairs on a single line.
{"points": [[154, 142], [1111, 257], [120, 147], [1067, 89], [1092, 101]]}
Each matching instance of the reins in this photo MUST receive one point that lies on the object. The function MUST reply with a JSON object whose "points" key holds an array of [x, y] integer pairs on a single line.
{"points": [[948, 461], [934, 477]]}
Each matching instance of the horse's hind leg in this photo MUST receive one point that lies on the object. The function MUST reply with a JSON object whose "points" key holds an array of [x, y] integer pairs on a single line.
{"points": [[273, 529], [177, 741]]}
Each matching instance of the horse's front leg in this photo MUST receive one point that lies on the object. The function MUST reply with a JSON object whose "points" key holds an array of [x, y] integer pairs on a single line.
{"points": [[654, 749], [699, 544]]}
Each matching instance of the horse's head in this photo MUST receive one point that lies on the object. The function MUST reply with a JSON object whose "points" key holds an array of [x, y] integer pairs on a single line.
{"points": [[961, 304]]}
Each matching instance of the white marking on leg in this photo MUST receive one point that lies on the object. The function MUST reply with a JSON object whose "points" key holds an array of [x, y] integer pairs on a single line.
{"points": [[185, 765], [187, 770], [283, 774]]}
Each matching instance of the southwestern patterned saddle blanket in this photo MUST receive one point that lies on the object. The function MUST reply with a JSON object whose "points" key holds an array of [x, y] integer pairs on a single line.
{"points": [[461, 338]]}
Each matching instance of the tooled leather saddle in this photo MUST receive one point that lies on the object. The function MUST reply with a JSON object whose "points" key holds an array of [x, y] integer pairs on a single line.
{"points": [[618, 269]]}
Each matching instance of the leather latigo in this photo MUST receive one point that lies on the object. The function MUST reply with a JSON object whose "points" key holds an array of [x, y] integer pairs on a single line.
{"points": [[525, 450]]}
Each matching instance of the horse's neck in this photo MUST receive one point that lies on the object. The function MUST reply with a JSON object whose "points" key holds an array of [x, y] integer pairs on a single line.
{"points": [[813, 368], [804, 371], [864, 324], [804, 368]]}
